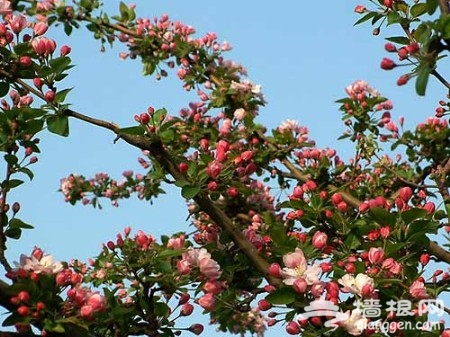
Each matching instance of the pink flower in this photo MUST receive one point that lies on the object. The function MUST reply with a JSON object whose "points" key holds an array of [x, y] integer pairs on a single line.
{"points": [[184, 267], [418, 290], [202, 259], [360, 9], [86, 311], [5, 7], [43, 46], [176, 243], [376, 255], [296, 266], [319, 240], [97, 302], [207, 302], [40, 28], [209, 267], [300, 285], [17, 23], [221, 150], [393, 266], [213, 169]]}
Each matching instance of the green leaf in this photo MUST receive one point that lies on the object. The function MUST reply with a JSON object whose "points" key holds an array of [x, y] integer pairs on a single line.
{"points": [[423, 73], [161, 309], [58, 124], [382, 217], [60, 64], [12, 183], [432, 5], [165, 267], [68, 28], [170, 253], [17, 223], [149, 68], [418, 9], [393, 17], [33, 126], [11, 159], [352, 242], [133, 130], [26, 171], [365, 18], [124, 11], [189, 192], [167, 136], [61, 95], [285, 295], [399, 39], [13, 233], [413, 214], [4, 89]]}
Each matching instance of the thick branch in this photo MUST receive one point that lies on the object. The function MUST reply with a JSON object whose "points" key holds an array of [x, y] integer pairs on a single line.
{"points": [[443, 6]]}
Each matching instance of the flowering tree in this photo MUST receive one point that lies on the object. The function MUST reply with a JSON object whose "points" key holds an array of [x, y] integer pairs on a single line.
{"points": [[346, 250]]}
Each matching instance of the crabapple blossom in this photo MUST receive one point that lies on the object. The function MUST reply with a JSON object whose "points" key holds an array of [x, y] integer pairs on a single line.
{"points": [[356, 322], [44, 265], [356, 285], [296, 267]]}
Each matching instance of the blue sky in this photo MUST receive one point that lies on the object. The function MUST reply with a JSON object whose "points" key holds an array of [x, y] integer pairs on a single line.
{"points": [[303, 53]]}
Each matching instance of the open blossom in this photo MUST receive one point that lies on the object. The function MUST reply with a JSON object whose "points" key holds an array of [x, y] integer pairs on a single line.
{"points": [[360, 87], [418, 290], [355, 323], [297, 267], [45, 265], [356, 285], [17, 23], [5, 7], [202, 259]]}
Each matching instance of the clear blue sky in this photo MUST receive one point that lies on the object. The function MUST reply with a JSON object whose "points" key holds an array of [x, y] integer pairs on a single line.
{"points": [[303, 53]]}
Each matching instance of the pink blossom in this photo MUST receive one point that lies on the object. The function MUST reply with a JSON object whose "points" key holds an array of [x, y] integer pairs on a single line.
{"points": [[296, 266], [418, 290], [319, 240], [176, 243], [5, 7], [17, 23], [213, 169], [376, 255], [97, 302], [40, 28], [207, 301]]}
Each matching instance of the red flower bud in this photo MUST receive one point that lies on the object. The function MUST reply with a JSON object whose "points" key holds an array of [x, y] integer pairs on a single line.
{"points": [[264, 305], [292, 328], [387, 64]]}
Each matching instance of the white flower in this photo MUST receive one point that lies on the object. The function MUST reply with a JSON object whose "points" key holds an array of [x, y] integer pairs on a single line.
{"points": [[355, 324], [288, 125], [239, 114], [46, 265], [355, 285]]}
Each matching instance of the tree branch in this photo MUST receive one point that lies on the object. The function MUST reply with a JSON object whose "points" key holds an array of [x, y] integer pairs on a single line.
{"points": [[436, 250], [157, 150], [443, 6]]}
